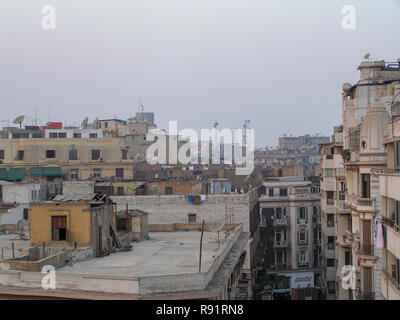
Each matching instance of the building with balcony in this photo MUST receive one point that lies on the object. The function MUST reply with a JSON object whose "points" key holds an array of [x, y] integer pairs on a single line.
{"points": [[365, 123], [390, 194], [290, 227], [332, 196]]}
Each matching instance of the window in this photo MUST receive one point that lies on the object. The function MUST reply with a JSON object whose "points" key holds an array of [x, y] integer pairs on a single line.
{"points": [[331, 243], [303, 236], [283, 192], [366, 188], [77, 135], [62, 135], [302, 256], [278, 213], [26, 214], [124, 154], [121, 224], [95, 154], [330, 262], [329, 172], [53, 135], [106, 124], [50, 154], [73, 155], [302, 215], [96, 173], [121, 191], [397, 154], [119, 173], [331, 287], [168, 190], [329, 197], [73, 175], [20, 155], [271, 192], [1, 154], [93, 135], [192, 218], [330, 220], [59, 228]]}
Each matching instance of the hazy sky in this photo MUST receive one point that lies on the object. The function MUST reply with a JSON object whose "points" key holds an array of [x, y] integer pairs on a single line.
{"points": [[278, 63]]}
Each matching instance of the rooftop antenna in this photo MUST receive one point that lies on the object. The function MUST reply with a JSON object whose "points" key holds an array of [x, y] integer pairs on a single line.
{"points": [[36, 109], [19, 120], [141, 108]]}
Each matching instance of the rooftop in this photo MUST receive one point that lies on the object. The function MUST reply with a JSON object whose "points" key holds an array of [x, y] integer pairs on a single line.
{"points": [[165, 253]]}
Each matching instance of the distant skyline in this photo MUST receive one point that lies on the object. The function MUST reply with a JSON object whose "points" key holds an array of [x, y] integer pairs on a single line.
{"points": [[279, 64]]}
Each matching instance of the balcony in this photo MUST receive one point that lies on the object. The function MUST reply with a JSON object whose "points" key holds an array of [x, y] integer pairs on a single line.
{"points": [[341, 207], [281, 266], [340, 173], [361, 295], [284, 222], [365, 249], [365, 204], [280, 244], [391, 223], [390, 183]]}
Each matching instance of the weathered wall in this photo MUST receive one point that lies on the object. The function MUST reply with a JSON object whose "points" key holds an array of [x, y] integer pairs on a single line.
{"points": [[175, 209], [78, 223], [78, 187]]}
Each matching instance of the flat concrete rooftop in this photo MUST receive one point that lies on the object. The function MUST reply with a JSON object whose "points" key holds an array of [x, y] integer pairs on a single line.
{"points": [[165, 253]]}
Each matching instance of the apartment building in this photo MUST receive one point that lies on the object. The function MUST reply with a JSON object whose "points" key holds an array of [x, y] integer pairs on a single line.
{"points": [[290, 228], [48, 159], [365, 116], [335, 216], [390, 192]]}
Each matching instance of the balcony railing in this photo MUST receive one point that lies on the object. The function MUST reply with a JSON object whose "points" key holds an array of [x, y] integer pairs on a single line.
{"points": [[280, 244], [341, 207], [394, 281], [368, 202], [361, 295], [389, 222], [340, 172], [284, 222], [366, 249]]}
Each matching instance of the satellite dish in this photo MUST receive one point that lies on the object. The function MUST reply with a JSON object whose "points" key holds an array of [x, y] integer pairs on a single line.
{"points": [[85, 123], [19, 120], [96, 123]]}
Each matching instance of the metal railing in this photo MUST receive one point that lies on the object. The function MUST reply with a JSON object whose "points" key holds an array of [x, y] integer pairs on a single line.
{"points": [[391, 223], [394, 281]]}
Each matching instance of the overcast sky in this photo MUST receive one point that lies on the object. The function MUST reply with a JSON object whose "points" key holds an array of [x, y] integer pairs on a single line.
{"points": [[278, 63]]}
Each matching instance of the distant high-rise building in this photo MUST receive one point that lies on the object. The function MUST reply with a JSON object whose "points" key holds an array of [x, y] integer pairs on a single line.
{"points": [[149, 116]]}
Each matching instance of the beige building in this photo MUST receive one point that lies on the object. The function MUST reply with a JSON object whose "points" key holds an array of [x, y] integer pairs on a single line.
{"points": [[290, 227], [335, 216], [390, 193], [365, 116], [75, 159]]}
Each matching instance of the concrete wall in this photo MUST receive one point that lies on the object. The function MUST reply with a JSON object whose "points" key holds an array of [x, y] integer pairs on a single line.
{"points": [[175, 209], [13, 215], [78, 187], [56, 260]]}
